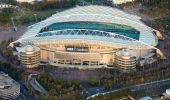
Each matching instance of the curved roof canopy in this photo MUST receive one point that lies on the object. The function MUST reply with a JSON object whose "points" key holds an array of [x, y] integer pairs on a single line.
{"points": [[95, 14]]}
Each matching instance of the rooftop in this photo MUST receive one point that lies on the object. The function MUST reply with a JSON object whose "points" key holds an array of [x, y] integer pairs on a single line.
{"points": [[28, 49], [5, 81], [126, 53], [92, 13], [9, 88]]}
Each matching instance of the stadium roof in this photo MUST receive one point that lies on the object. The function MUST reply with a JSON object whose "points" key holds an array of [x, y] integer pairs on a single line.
{"points": [[93, 14]]}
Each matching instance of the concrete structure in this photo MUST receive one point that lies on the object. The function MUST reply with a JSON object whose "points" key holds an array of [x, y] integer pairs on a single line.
{"points": [[35, 84], [89, 36], [166, 95], [126, 59], [29, 56], [9, 88], [32, 1], [28, 1], [145, 98], [121, 1], [2, 6]]}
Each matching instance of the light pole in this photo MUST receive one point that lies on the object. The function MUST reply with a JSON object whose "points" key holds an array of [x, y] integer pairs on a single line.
{"points": [[15, 28], [35, 16], [99, 87], [60, 96]]}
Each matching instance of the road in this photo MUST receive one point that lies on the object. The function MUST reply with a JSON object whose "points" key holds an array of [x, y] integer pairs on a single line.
{"points": [[2, 58], [97, 94], [151, 83], [24, 92], [135, 87]]}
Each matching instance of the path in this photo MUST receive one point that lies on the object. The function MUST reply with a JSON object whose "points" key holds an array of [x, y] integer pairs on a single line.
{"points": [[35, 84]]}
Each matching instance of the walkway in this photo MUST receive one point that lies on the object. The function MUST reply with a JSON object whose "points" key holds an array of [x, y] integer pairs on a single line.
{"points": [[35, 84], [97, 94]]}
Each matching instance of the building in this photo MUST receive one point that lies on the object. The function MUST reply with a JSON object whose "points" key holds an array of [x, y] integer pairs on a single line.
{"points": [[29, 56], [32, 1], [145, 98], [89, 37], [121, 1], [28, 1], [166, 95], [126, 59], [3, 6], [9, 88]]}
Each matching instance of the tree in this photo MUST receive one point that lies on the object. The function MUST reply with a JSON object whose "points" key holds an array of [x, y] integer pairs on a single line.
{"points": [[93, 80], [12, 2], [53, 92], [76, 82], [166, 46]]}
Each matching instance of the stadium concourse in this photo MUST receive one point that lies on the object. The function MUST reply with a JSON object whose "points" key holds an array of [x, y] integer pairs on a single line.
{"points": [[88, 37]]}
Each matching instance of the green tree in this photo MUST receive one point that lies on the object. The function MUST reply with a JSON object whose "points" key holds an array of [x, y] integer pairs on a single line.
{"points": [[93, 80], [76, 82]]}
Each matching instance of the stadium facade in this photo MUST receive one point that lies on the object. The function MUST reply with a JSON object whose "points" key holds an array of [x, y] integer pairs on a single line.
{"points": [[89, 36]]}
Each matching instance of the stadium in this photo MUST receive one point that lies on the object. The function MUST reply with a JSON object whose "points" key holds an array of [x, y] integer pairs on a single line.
{"points": [[89, 37]]}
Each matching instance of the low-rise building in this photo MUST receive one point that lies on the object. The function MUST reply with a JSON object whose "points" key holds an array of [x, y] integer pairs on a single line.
{"points": [[121, 1], [9, 88], [3, 6], [28, 1], [166, 95], [145, 98], [32, 1]]}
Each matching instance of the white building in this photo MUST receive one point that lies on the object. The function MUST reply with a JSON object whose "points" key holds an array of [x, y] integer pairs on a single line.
{"points": [[166, 95], [9, 88], [28, 1], [2, 6], [121, 1], [89, 36], [145, 98]]}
